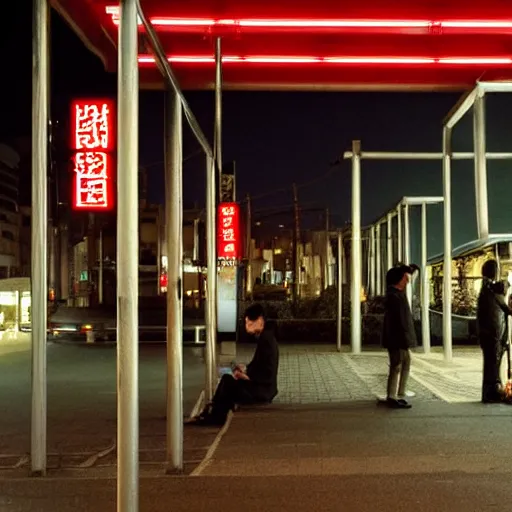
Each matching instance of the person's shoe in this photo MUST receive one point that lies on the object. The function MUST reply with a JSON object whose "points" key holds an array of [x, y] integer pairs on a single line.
{"points": [[393, 403], [206, 421]]}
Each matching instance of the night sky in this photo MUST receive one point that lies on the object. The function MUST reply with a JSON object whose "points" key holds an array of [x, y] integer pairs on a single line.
{"points": [[279, 138]]}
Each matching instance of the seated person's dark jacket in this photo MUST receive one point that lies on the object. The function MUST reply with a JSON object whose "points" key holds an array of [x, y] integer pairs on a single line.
{"points": [[491, 316], [398, 331], [263, 368]]}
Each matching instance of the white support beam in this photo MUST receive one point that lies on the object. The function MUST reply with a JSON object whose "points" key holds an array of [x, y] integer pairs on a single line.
{"points": [[382, 155], [355, 257], [39, 233], [493, 87], [481, 197], [447, 266], [373, 276], [389, 235], [425, 285], [407, 248], [128, 262], [460, 110], [400, 254], [378, 260]]}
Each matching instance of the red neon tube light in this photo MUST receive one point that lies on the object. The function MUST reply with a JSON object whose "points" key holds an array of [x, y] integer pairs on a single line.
{"points": [[319, 23], [473, 61]]}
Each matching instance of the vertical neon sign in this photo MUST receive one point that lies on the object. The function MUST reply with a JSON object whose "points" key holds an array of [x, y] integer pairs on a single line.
{"points": [[93, 140], [228, 232]]}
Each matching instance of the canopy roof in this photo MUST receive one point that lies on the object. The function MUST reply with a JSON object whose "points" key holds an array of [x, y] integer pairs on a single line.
{"points": [[323, 45]]}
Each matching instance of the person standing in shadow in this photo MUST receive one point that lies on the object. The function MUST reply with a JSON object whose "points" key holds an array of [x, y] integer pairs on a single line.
{"points": [[492, 327], [398, 334]]}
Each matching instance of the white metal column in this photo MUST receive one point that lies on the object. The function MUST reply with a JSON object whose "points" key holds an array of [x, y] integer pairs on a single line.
{"points": [[211, 279], [425, 315], [447, 266], [339, 325], [400, 254], [407, 248], [378, 260], [389, 234], [482, 209], [355, 257], [218, 111], [174, 237], [373, 289], [128, 262], [39, 262]]}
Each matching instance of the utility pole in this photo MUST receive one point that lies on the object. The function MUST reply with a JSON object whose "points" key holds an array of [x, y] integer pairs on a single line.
{"points": [[296, 241]]}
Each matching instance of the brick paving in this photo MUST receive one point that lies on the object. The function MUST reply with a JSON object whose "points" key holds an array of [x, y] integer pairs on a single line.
{"points": [[319, 374]]}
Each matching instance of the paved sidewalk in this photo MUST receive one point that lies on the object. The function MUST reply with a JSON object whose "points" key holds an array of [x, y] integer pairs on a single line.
{"points": [[319, 374]]}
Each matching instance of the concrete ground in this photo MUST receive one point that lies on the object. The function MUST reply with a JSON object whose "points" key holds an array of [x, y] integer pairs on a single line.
{"points": [[324, 444], [352, 457]]}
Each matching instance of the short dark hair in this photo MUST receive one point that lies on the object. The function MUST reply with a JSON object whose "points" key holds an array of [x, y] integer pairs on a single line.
{"points": [[490, 269], [254, 311], [394, 274]]}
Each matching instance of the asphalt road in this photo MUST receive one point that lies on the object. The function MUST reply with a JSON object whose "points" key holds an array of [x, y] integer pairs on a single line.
{"points": [[456, 492], [82, 394]]}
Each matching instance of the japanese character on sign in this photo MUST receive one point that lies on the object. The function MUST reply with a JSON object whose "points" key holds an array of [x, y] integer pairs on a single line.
{"points": [[229, 249], [228, 211], [91, 170], [92, 126], [228, 235], [227, 222]]}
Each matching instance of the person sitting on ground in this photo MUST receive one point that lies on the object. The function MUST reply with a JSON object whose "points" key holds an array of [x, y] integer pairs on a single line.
{"points": [[251, 384], [398, 334], [491, 319]]}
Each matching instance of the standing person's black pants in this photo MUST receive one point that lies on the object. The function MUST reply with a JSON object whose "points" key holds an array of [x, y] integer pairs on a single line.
{"points": [[493, 354], [231, 392]]}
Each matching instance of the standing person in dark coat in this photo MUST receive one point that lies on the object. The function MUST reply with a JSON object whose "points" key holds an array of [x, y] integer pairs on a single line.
{"points": [[398, 334], [256, 383], [492, 327]]}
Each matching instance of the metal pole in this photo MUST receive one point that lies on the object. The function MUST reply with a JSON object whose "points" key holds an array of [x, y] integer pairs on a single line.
{"points": [[296, 241], [195, 254], [327, 247], [390, 155], [174, 226], [447, 266], [425, 315], [211, 276], [218, 111], [339, 326], [482, 210], [407, 248], [355, 285], [400, 254], [372, 263], [378, 261], [100, 268], [128, 263], [39, 263], [389, 234], [248, 247]]}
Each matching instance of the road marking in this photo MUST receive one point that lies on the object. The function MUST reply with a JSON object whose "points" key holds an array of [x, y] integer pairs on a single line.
{"points": [[213, 448], [199, 405], [91, 461]]}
